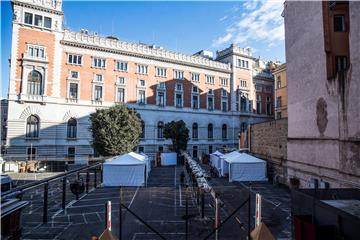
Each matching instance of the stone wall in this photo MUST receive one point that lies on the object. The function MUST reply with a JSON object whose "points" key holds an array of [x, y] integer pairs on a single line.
{"points": [[268, 141]]}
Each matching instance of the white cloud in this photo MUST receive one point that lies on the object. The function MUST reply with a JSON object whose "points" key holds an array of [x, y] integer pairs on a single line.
{"points": [[260, 21], [223, 18], [222, 40]]}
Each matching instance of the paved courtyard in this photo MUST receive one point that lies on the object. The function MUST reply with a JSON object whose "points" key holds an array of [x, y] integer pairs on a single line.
{"points": [[161, 204]]}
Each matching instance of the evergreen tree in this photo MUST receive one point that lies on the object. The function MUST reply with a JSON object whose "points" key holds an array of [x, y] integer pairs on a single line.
{"points": [[178, 133], [115, 130]]}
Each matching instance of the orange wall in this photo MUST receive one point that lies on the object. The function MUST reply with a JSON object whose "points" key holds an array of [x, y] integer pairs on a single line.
{"points": [[39, 38]]}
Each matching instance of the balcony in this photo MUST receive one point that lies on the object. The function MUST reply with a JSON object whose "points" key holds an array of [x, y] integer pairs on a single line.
{"points": [[32, 98], [28, 57]]}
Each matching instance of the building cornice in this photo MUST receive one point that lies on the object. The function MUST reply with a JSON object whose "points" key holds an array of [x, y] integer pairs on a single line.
{"points": [[42, 5], [82, 40], [234, 50]]}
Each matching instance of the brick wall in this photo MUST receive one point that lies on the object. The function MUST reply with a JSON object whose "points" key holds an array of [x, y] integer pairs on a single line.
{"points": [[268, 141]]}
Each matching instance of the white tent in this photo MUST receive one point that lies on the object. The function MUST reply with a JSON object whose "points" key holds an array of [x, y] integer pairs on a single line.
{"points": [[131, 169], [215, 159], [243, 167], [224, 165], [168, 159]]}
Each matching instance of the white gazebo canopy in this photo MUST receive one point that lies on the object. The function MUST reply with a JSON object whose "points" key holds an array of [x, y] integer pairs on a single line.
{"points": [[130, 169], [243, 167]]}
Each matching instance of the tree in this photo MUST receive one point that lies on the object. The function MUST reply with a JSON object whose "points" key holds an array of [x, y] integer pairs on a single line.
{"points": [[115, 130], [178, 133]]}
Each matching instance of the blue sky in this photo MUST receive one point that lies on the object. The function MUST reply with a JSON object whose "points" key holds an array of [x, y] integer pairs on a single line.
{"points": [[181, 26]]}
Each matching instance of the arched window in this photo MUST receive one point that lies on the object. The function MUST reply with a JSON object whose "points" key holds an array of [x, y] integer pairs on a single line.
{"points": [[142, 135], [195, 133], [160, 130], [32, 127], [34, 83], [72, 128], [224, 131], [210, 131]]}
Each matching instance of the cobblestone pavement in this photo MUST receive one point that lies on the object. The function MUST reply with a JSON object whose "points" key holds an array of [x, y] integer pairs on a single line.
{"points": [[161, 204]]}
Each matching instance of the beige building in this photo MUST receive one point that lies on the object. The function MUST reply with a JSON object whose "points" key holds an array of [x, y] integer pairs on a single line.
{"points": [[280, 96], [323, 76]]}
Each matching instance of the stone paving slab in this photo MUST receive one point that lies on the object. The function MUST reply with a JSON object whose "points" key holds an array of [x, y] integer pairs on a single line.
{"points": [[162, 205]]}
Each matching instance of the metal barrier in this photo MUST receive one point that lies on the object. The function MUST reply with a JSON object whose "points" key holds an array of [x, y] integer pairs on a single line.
{"points": [[200, 184], [20, 191]]}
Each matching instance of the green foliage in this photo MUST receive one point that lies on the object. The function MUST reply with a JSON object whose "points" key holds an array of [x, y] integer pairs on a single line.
{"points": [[178, 133], [115, 130]]}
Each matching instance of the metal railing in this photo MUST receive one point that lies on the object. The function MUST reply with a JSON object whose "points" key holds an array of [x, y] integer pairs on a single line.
{"points": [[21, 191]]}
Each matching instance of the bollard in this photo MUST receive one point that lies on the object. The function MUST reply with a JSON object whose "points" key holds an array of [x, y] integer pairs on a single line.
{"points": [[95, 178], [217, 216], [249, 213], [87, 181], [63, 193], [107, 216], [120, 215], [186, 213], [202, 204], [45, 207]]}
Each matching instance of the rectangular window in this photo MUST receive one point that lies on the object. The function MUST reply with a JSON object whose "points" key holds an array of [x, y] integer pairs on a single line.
{"points": [[223, 93], [38, 20], [121, 66], [142, 83], [339, 23], [178, 74], [278, 102], [31, 153], [74, 59], [178, 100], [160, 72], [28, 18], [195, 89], [210, 79], [73, 90], [98, 93], [71, 155], [179, 87], [120, 95], [98, 77], [341, 63], [161, 99], [224, 81], [195, 101], [98, 62], [142, 69], [141, 97], [161, 85], [121, 80], [195, 77], [224, 107], [36, 51], [47, 22], [243, 83], [210, 101], [74, 74]]}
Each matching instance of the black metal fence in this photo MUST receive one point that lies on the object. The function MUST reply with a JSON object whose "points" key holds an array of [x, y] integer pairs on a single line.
{"points": [[48, 196]]}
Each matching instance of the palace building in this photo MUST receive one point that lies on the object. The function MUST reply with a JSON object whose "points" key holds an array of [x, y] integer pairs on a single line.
{"points": [[59, 77]]}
